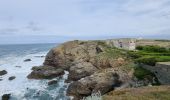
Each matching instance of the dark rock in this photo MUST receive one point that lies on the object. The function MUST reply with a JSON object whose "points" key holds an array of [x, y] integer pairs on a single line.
{"points": [[3, 72], [1, 79], [45, 72], [6, 96], [52, 82], [18, 66], [98, 49], [103, 82], [26, 60], [11, 78]]}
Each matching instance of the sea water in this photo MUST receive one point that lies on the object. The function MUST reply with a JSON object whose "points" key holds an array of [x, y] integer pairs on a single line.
{"points": [[12, 60]]}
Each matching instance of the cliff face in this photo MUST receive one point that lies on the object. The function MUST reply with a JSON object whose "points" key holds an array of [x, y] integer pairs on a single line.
{"points": [[92, 66], [161, 70]]}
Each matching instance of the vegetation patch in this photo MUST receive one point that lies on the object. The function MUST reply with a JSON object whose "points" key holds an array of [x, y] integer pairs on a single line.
{"points": [[142, 93], [142, 73], [163, 40], [150, 54], [149, 60], [111, 53], [151, 48]]}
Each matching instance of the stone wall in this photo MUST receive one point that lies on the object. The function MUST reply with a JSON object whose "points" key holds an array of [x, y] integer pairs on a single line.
{"points": [[127, 44], [161, 70]]}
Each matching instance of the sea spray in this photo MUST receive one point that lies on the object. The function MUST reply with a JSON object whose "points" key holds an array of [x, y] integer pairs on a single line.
{"points": [[22, 88]]}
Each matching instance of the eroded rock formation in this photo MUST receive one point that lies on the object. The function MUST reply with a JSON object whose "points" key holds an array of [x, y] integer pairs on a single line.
{"points": [[92, 67]]}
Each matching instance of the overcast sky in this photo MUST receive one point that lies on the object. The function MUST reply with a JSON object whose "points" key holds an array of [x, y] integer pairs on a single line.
{"points": [[55, 20]]}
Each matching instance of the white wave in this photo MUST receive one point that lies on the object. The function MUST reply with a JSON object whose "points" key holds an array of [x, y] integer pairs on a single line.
{"points": [[21, 86]]}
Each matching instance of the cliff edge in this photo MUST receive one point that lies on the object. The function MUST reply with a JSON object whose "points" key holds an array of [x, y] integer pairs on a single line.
{"points": [[92, 65]]}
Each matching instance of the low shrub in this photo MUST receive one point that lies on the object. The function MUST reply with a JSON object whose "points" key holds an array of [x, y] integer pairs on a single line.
{"points": [[151, 48], [134, 54], [142, 73], [149, 60], [94, 96], [139, 47]]}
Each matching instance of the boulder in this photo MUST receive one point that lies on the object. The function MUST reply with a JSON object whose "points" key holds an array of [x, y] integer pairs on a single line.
{"points": [[6, 96], [3, 72], [27, 60], [80, 70], [18, 66], [103, 82], [11, 78], [52, 82], [45, 72]]}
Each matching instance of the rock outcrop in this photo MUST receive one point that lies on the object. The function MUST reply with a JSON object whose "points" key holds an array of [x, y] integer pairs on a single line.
{"points": [[3, 72], [11, 78], [103, 81], [27, 60], [52, 82], [6, 96], [92, 67], [80, 70], [161, 70], [45, 72]]}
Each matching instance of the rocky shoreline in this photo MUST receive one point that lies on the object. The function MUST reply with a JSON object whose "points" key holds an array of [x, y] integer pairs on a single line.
{"points": [[92, 65]]}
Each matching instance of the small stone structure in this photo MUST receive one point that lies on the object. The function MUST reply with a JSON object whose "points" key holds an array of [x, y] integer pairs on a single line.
{"points": [[127, 44], [161, 70]]}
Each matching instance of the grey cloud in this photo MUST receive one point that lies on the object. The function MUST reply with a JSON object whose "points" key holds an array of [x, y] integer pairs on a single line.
{"points": [[33, 27], [85, 17], [8, 31]]}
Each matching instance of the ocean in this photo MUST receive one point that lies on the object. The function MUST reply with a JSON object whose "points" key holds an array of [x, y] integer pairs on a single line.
{"points": [[12, 60]]}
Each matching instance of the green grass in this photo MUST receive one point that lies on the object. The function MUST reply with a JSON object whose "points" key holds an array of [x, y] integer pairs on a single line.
{"points": [[111, 53], [150, 55], [151, 48], [163, 58], [149, 60], [142, 73]]}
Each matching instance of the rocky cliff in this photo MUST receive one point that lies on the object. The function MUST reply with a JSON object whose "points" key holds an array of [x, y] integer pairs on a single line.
{"points": [[161, 70], [92, 67]]}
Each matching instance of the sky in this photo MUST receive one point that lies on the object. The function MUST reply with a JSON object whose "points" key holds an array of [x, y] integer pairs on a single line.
{"points": [[38, 21]]}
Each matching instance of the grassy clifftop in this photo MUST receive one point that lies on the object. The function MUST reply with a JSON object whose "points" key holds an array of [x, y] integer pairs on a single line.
{"points": [[150, 54], [143, 93]]}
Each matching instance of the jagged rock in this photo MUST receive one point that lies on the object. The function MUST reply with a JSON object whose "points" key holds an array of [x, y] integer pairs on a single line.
{"points": [[65, 54], [52, 82], [103, 82], [3, 72], [11, 78], [6, 96], [80, 70], [45, 72], [92, 67], [27, 60]]}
